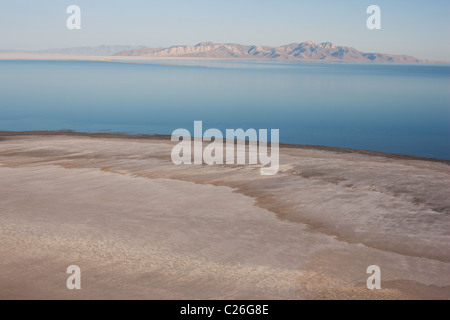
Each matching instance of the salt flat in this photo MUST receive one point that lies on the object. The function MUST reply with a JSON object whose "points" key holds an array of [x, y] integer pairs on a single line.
{"points": [[140, 227]]}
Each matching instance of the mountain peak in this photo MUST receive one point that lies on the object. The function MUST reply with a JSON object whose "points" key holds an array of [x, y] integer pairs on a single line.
{"points": [[205, 43]]}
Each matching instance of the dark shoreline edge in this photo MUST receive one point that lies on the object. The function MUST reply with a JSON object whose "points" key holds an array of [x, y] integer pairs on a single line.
{"points": [[166, 137]]}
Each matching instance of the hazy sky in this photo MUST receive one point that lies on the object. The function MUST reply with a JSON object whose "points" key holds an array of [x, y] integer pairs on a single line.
{"points": [[418, 28]]}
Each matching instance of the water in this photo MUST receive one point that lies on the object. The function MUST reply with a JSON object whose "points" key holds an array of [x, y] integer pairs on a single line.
{"points": [[403, 109]]}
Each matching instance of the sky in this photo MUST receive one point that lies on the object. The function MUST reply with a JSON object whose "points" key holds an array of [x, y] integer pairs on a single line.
{"points": [[417, 28]]}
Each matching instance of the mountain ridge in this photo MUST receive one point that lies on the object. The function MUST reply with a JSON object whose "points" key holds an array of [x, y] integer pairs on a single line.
{"points": [[307, 51]]}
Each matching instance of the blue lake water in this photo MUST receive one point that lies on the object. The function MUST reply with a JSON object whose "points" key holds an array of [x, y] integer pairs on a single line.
{"points": [[402, 109]]}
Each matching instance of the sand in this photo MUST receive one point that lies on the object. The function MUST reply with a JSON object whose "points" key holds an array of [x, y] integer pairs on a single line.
{"points": [[140, 227]]}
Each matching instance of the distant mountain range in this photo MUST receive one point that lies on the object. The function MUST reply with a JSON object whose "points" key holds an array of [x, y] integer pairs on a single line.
{"points": [[99, 50], [103, 50], [308, 51]]}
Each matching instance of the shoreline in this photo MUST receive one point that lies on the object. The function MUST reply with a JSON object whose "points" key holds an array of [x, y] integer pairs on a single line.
{"points": [[136, 59], [116, 205], [167, 137]]}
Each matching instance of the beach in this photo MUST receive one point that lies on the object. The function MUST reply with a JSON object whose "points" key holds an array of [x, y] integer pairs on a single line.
{"points": [[140, 227]]}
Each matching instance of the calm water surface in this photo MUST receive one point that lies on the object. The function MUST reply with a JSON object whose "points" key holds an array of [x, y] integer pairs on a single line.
{"points": [[402, 109]]}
